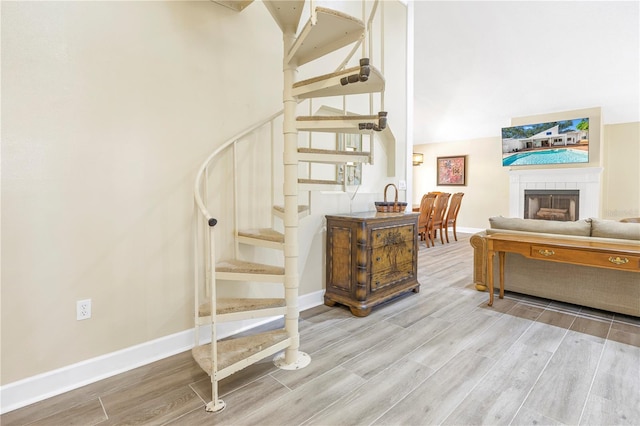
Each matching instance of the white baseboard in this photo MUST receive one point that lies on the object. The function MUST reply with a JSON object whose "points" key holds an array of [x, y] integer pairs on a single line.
{"points": [[42, 386]]}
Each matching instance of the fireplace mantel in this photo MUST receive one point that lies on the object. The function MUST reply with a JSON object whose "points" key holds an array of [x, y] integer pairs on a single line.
{"points": [[585, 179]]}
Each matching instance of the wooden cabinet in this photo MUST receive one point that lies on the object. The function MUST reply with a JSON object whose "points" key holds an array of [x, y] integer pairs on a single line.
{"points": [[371, 258]]}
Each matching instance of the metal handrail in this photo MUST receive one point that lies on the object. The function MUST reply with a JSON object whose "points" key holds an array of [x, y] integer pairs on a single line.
{"points": [[198, 196]]}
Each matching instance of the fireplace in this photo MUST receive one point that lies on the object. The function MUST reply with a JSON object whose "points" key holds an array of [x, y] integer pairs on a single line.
{"points": [[586, 180], [554, 204]]}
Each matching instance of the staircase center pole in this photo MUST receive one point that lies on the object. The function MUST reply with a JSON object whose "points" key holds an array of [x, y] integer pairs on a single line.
{"points": [[290, 159]]}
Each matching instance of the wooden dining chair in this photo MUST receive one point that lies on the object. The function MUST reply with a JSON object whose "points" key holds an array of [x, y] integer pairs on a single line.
{"points": [[426, 209], [437, 218], [452, 214]]}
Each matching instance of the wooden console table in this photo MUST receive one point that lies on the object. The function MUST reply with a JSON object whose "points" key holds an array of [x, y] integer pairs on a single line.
{"points": [[371, 258], [598, 254]]}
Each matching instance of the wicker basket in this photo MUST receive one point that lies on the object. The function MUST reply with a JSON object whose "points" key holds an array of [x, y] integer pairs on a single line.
{"points": [[390, 206]]}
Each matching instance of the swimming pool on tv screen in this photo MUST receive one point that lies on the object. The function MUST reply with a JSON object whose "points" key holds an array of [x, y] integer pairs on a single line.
{"points": [[550, 156]]}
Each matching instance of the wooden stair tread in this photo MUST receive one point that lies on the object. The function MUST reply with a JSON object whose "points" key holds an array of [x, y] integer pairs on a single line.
{"points": [[241, 266], [336, 117], [329, 156], [331, 151], [344, 72], [231, 305], [330, 85], [266, 234], [233, 351], [332, 31], [335, 124], [319, 181]]}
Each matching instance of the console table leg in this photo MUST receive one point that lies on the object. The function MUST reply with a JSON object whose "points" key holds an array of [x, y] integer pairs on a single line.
{"points": [[501, 257], [490, 254]]}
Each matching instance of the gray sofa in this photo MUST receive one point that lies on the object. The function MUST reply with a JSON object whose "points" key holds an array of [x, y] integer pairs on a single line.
{"points": [[606, 289]]}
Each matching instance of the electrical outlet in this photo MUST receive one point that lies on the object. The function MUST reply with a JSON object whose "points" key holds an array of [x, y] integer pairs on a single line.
{"points": [[83, 309], [402, 185]]}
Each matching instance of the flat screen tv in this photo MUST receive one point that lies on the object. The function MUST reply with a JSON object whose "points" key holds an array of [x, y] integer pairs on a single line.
{"points": [[556, 142]]}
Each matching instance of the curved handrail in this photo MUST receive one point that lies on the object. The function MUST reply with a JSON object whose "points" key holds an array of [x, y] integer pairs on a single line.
{"points": [[198, 197]]}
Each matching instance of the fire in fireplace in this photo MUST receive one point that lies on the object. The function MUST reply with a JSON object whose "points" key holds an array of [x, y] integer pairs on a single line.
{"points": [[551, 204]]}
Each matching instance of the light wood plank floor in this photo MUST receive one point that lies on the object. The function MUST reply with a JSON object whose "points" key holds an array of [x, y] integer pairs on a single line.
{"points": [[437, 357]]}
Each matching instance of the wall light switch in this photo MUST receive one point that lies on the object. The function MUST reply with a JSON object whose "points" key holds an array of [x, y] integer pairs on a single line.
{"points": [[402, 184]]}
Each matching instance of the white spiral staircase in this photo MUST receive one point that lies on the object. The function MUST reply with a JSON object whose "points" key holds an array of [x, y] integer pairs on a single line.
{"points": [[325, 31]]}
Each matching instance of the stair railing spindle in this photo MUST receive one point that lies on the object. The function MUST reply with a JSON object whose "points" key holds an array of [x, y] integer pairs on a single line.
{"points": [[216, 404], [271, 159], [196, 269], [208, 263], [236, 243]]}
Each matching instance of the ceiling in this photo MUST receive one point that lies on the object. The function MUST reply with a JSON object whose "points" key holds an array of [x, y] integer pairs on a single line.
{"points": [[480, 63]]}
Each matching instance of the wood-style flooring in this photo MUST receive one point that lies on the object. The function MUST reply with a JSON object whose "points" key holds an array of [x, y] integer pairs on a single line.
{"points": [[440, 356]]}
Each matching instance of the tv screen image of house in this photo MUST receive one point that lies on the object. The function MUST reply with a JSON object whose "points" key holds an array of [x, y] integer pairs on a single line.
{"points": [[556, 142]]}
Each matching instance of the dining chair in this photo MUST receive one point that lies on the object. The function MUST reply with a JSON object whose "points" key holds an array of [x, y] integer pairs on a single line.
{"points": [[452, 214], [426, 209], [437, 218]]}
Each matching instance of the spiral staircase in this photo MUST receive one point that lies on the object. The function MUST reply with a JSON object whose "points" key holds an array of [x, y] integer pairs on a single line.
{"points": [[325, 31]]}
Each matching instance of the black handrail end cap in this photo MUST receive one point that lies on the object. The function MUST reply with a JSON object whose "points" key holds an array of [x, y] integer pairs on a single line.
{"points": [[213, 222]]}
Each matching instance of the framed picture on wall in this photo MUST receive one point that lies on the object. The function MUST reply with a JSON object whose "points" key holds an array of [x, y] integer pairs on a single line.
{"points": [[452, 170]]}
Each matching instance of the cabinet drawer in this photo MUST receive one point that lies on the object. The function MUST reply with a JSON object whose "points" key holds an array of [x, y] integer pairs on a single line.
{"points": [[585, 257], [383, 278], [391, 256], [392, 235]]}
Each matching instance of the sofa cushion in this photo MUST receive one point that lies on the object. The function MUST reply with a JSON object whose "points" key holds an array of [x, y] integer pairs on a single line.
{"points": [[614, 229], [579, 227]]}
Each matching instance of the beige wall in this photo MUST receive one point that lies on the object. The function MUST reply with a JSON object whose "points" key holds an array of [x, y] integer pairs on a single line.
{"points": [[487, 189], [108, 109], [621, 180]]}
